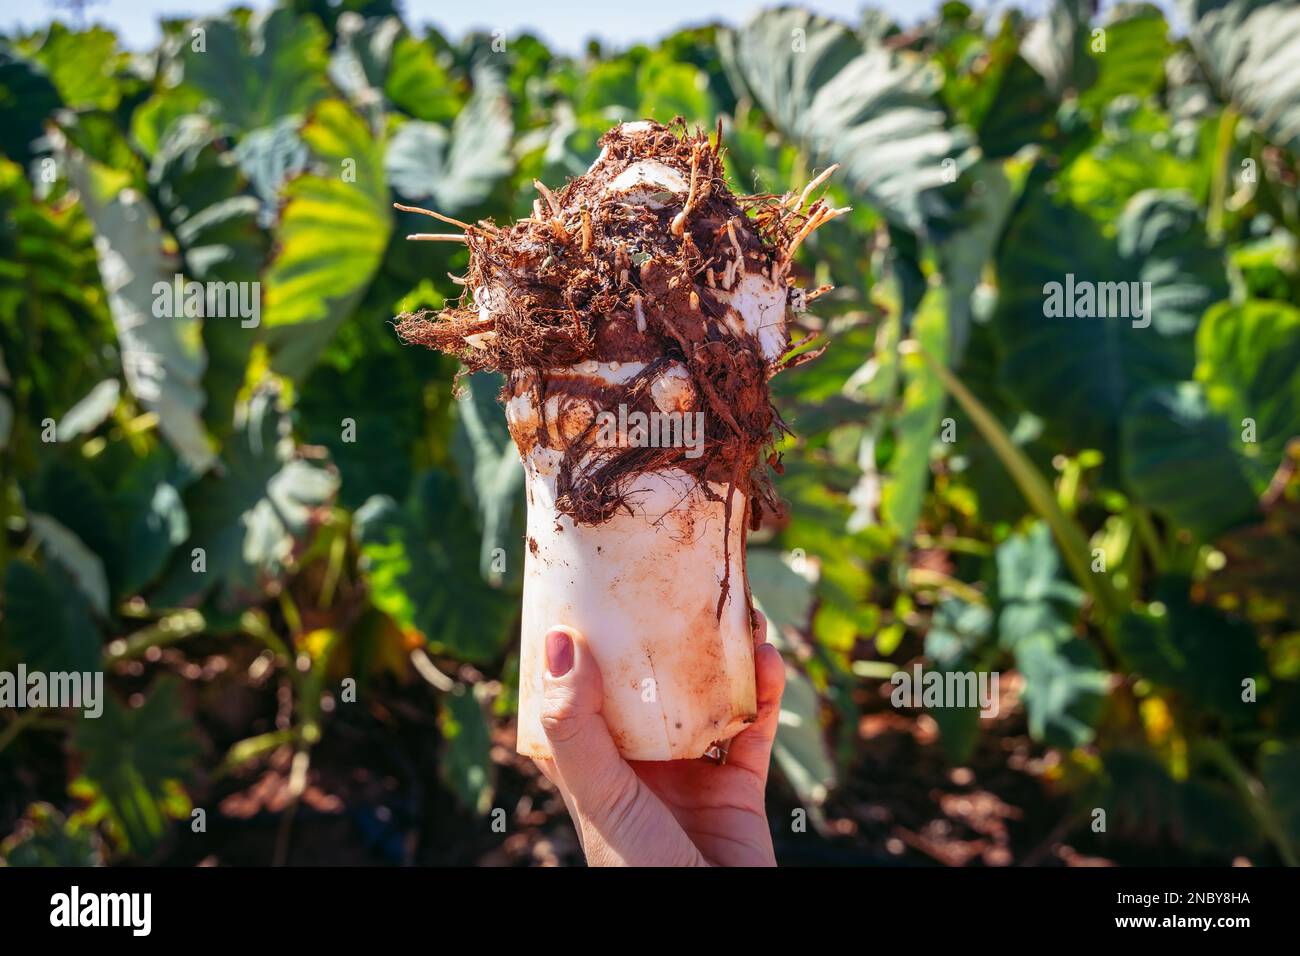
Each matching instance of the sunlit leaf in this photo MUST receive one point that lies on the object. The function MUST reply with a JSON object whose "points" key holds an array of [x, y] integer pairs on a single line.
{"points": [[1251, 49], [253, 80], [330, 239], [162, 352], [861, 104]]}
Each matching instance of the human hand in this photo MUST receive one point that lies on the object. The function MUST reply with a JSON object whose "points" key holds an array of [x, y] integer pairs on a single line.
{"points": [[657, 813]]}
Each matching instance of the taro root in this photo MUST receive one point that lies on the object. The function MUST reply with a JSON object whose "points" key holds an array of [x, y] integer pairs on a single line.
{"points": [[638, 315]]}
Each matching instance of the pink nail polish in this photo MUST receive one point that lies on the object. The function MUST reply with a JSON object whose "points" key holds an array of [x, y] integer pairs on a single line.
{"points": [[559, 652]]}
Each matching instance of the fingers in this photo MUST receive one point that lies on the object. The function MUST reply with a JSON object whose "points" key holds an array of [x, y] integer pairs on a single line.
{"points": [[616, 813], [751, 749]]}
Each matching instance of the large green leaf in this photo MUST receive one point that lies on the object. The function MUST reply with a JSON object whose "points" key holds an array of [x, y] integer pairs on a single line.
{"points": [[456, 170], [251, 517], [130, 757], [422, 560], [91, 412], [1056, 45], [269, 156], [1029, 569], [81, 64], [1065, 686], [162, 354], [785, 596], [419, 85], [1169, 434], [27, 97], [1079, 373], [855, 102], [368, 415], [1248, 360], [669, 88], [1230, 427], [70, 552], [206, 203], [1133, 63], [917, 420], [964, 254], [493, 476], [123, 507], [800, 749], [1064, 681], [363, 51], [1144, 804], [1251, 50], [1134, 151], [330, 239], [253, 80], [47, 621], [466, 764], [1193, 650]]}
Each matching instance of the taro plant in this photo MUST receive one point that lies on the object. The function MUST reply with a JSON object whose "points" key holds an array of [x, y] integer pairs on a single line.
{"points": [[252, 509]]}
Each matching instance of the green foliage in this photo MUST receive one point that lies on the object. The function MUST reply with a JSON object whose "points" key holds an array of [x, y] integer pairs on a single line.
{"points": [[249, 519], [857, 103], [253, 78], [1080, 370], [162, 352], [1251, 51], [1191, 649], [314, 282], [466, 767], [44, 837], [1064, 683], [131, 758], [455, 169], [423, 566], [48, 623], [1111, 513]]}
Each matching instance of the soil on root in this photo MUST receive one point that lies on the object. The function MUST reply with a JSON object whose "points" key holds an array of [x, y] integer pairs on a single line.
{"points": [[612, 271]]}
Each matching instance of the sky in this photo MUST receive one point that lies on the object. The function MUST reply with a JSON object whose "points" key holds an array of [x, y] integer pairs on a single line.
{"points": [[566, 25]]}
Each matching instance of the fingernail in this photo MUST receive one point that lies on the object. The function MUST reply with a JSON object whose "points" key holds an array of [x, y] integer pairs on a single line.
{"points": [[559, 652]]}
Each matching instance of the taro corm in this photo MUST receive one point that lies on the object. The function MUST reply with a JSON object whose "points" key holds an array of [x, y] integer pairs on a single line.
{"points": [[637, 316]]}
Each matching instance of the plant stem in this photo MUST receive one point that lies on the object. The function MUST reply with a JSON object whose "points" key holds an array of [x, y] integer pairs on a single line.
{"points": [[250, 748], [928, 578], [960, 545], [1219, 185], [1252, 791], [1070, 537], [168, 630], [1147, 532]]}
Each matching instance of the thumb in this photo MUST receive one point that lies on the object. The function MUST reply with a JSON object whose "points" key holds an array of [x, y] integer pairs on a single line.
{"points": [[589, 763]]}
